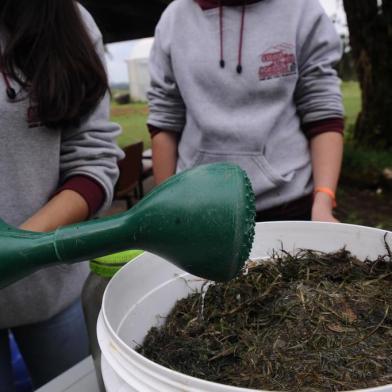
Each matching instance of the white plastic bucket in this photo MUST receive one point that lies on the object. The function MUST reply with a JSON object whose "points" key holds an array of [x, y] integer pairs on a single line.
{"points": [[144, 291]]}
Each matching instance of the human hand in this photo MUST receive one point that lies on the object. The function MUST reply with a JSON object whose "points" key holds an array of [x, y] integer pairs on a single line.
{"points": [[322, 208]]}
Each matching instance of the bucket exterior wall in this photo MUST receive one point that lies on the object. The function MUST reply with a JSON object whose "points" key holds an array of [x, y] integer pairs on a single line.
{"points": [[142, 293]]}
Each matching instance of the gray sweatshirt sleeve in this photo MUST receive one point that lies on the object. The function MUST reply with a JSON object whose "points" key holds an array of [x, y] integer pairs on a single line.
{"points": [[91, 149], [318, 94], [167, 108]]}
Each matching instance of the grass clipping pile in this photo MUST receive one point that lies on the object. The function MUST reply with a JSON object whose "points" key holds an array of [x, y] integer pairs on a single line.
{"points": [[309, 322]]}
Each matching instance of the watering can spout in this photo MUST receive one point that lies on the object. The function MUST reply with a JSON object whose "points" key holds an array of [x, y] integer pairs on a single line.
{"points": [[201, 220]]}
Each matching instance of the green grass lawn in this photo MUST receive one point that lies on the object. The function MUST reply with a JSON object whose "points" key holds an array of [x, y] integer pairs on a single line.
{"points": [[352, 103], [132, 118]]}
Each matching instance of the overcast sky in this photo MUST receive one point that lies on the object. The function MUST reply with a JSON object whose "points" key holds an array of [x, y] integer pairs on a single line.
{"points": [[118, 52]]}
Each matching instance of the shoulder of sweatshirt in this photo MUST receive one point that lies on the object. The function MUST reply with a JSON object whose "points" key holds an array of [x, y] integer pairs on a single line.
{"points": [[91, 26], [177, 5], [313, 20], [175, 10], [170, 21], [305, 12], [303, 6], [310, 11]]}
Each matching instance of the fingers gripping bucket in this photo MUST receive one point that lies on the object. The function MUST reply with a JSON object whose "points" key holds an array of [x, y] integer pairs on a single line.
{"points": [[144, 292]]}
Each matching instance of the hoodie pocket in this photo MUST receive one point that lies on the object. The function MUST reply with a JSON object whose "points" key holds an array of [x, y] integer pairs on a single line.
{"points": [[260, 172]]}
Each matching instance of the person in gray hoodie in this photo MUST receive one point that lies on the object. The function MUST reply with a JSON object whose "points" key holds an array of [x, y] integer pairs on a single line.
{"points": [[58, 165], [251, 82]]}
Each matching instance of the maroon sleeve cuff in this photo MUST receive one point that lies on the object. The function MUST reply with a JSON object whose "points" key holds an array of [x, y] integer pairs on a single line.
{"points": [[91, 191], [155, 130], [315, 128]]}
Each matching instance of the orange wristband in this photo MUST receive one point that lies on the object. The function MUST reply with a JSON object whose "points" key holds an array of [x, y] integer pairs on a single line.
{"points": [[329, 192]]}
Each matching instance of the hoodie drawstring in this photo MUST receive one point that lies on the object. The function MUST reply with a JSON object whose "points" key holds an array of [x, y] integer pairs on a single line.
{"points": [[239, 65], [11, 93], [222, 60]]}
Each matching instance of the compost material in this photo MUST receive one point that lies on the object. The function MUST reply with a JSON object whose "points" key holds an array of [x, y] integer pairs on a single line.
{"points": [[308, 322]]}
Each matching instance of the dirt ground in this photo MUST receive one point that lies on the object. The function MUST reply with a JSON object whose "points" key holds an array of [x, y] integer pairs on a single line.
{"points": [[368, 207], [128, 111]]}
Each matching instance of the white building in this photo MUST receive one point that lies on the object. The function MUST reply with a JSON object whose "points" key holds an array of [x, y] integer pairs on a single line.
{"points": [[139, 77]]}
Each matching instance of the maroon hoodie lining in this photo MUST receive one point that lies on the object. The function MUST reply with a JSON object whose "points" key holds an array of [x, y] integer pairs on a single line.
{"points": [[210, 4], [315, 128]]}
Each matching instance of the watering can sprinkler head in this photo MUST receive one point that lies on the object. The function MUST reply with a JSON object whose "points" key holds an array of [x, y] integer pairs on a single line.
{"points": [[201, 220]]}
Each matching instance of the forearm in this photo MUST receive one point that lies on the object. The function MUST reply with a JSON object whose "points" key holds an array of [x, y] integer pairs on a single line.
{"points": [[164, 155], [326, 151], [65, 208]]}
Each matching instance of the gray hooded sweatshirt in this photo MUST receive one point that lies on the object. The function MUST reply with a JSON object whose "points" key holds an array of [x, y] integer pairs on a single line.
{"points": [[255, 118], [33, 162]]}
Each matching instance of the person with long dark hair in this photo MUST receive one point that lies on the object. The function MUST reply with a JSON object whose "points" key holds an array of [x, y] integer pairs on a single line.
{"points": [[58, 165]]}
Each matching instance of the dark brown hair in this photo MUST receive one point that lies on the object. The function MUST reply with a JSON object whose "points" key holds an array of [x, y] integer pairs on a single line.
{"points": [[47, 42]]}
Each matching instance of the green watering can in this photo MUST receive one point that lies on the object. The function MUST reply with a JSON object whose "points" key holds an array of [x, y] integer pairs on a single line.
{"points": [[201, 220]]}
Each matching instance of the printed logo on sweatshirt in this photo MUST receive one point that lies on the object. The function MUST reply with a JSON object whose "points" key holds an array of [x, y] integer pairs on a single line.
{"points": [[278, 61]]}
